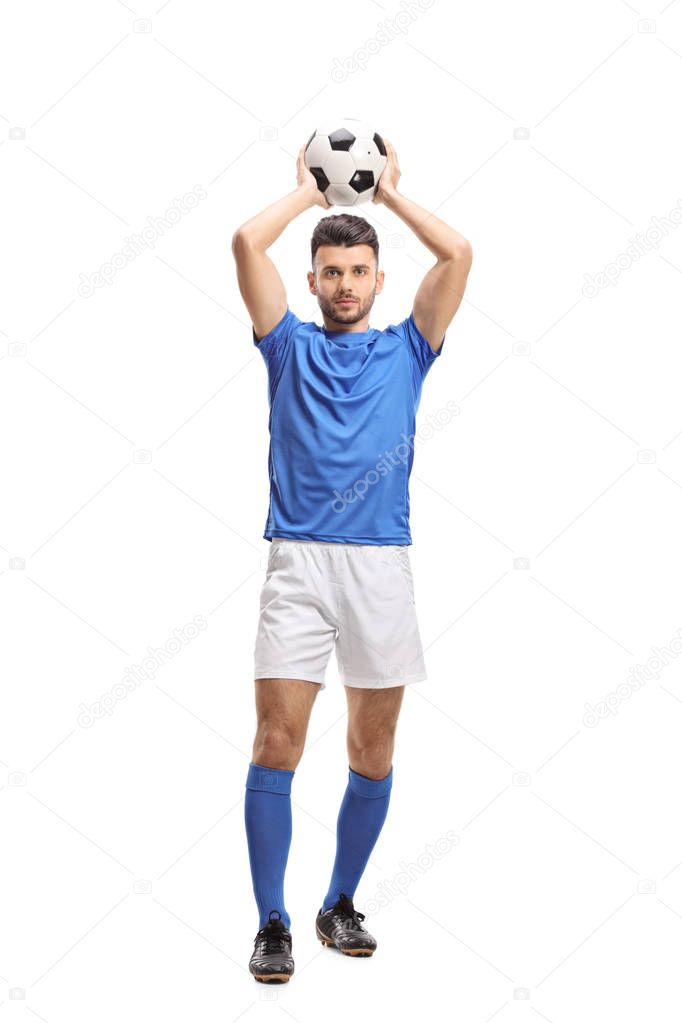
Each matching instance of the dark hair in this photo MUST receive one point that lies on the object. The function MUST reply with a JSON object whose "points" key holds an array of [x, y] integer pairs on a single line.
{"points": [[343, 229]]}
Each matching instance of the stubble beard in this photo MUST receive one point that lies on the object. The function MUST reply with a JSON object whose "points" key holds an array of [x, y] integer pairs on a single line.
{"points": [[346, 315]]}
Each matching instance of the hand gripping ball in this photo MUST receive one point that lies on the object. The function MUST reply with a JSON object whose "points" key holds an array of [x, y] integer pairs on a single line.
{"points": [[346, 159]]}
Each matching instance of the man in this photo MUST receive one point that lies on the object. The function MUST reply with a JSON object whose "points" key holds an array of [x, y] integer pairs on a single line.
{"points": [[343, 399]]}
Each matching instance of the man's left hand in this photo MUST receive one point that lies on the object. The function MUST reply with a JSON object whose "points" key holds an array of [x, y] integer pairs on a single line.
{"points": [[388, 182]]}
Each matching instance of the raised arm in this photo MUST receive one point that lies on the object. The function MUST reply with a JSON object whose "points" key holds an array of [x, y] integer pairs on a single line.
{"points": [[440, 293], [259, 282]]}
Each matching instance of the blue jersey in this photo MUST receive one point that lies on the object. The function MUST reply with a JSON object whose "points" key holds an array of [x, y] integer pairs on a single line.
{"points": [[342, 430]]}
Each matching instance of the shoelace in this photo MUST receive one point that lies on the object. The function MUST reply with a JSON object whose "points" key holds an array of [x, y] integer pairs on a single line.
{"points": [[347, 909], [273, 939]]}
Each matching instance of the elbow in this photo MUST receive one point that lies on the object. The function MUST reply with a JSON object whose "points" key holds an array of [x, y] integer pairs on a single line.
{"points": [[464, 252], [461, 253], [463, 256], [238, 239], [242, 239]]}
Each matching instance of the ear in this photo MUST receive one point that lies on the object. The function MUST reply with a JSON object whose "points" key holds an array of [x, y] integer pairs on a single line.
{"points": [[311, 282]]}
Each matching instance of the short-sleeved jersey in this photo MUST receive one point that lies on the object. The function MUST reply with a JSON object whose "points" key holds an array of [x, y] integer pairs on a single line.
{"points": [[342, 429]]}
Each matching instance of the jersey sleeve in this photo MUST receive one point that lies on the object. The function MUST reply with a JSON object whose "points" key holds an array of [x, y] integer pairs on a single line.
{"points": [[422, 354], [273, 345]]}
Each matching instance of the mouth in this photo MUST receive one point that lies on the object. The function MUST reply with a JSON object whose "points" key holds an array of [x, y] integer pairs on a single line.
{"points": [[345, 301]]}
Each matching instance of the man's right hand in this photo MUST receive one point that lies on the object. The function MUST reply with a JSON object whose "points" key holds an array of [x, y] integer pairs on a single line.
{"points": [[307, 183]]}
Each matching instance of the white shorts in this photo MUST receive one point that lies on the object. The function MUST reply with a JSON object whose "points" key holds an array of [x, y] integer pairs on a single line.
{"points": [[357, 598]]}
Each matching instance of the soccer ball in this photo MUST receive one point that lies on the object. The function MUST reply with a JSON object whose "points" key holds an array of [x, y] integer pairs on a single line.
{"points": [[346, 159]]}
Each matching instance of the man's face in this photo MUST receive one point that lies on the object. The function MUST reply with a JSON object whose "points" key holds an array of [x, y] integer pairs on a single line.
{"points": [[345, 272]]}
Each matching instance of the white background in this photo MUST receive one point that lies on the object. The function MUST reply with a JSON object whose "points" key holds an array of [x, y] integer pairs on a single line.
{"points": [[126, 891]]}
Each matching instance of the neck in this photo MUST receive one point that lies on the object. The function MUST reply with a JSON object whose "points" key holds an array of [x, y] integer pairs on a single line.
{"points": [[361, 327]]}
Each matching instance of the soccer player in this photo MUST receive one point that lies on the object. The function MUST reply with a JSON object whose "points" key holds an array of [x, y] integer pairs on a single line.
{"points": [[343, 399]]}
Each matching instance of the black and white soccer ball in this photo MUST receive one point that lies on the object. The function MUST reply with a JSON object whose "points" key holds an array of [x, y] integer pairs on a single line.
{"points": [[346, 159]]}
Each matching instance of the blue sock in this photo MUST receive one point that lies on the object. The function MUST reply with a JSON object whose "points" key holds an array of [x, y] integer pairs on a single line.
{"points": [[361, 818], [267, 815]]}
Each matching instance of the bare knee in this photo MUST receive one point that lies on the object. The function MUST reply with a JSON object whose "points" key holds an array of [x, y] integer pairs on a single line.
{"points": [[277, 746], [373, 757]]}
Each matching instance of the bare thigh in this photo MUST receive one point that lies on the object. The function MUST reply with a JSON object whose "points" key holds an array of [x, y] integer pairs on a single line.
{"points": [[283, 707]]}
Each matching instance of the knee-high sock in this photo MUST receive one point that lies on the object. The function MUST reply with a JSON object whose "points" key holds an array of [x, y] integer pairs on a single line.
{"points": [[267, 815], [361, 818]]}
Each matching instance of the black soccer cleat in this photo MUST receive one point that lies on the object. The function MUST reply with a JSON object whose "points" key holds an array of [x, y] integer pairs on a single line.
{"points": [[271, 959], [340, 927]]}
